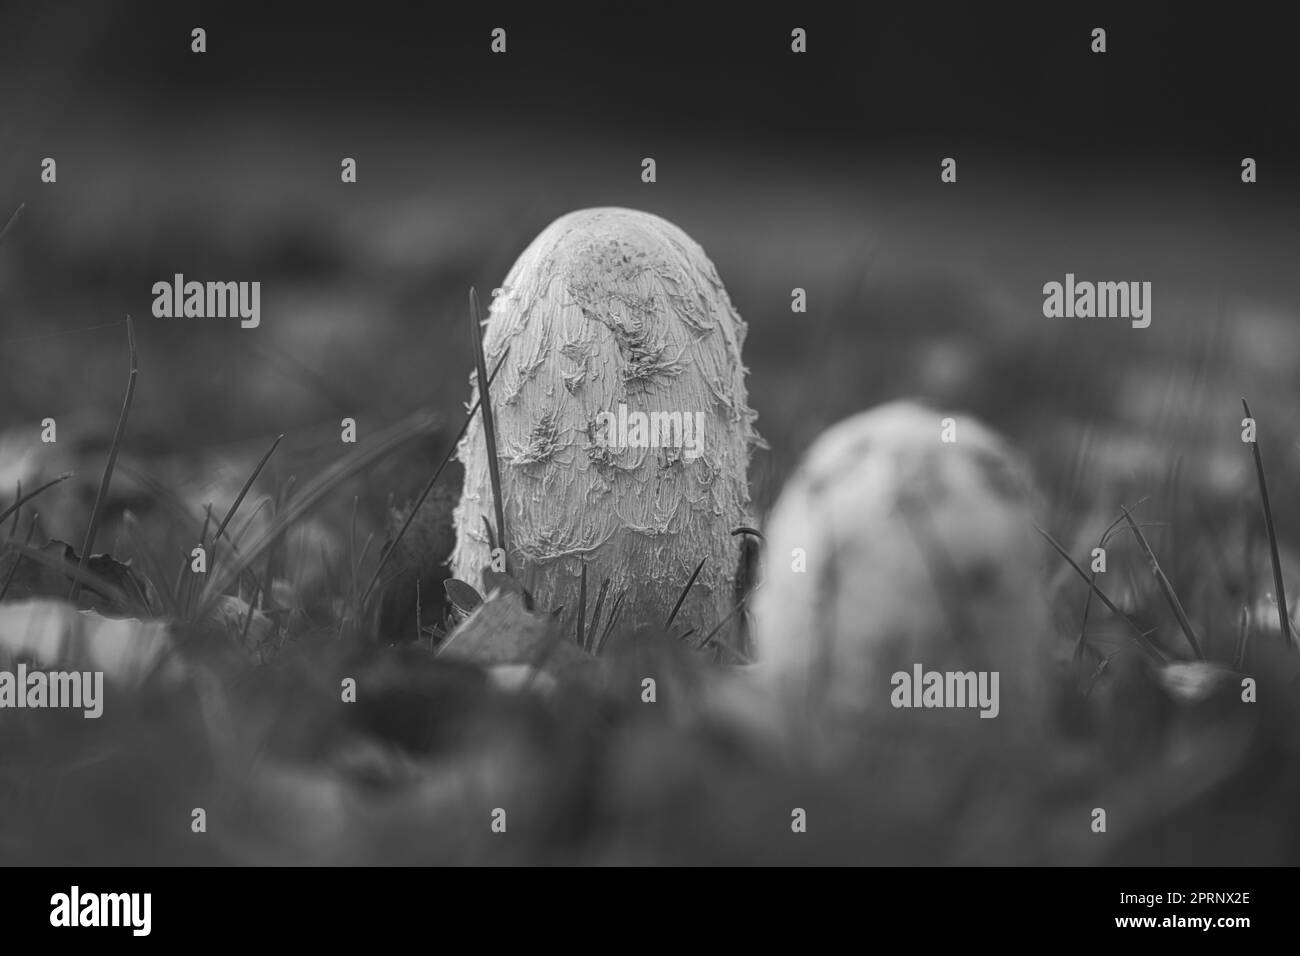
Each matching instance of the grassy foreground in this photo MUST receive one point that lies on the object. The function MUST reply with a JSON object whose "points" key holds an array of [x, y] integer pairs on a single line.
{"points": [[295, 693]]}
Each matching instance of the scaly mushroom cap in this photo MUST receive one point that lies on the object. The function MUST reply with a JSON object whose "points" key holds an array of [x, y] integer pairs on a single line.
{"points": [[609, 308]]}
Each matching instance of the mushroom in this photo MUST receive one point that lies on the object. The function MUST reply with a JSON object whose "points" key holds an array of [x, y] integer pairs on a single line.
{"points": [[892, 546], [623, 427]]}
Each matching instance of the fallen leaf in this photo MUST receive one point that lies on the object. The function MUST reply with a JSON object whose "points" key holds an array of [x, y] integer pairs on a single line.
{"points": [[502, 631], [40, 573], [462, 596]]}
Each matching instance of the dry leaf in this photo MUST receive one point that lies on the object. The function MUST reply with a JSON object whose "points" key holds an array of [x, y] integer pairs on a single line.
{"points": [[502, 631]]}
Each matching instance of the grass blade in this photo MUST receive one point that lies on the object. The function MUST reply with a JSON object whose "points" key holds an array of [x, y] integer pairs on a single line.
{"points": [[243, 492], [685, 591], [18, 558], [238, 536], [152, 568], [595, 616], [32, 494], [1143, 640], [207, 523], [613, 619], [1102, 542], [248, 618], [166, 496], [1283, 616], [1165, 586], [377, 448], [489, 424], [712, 636], [97, 510], [582, 607], [428, 487]]}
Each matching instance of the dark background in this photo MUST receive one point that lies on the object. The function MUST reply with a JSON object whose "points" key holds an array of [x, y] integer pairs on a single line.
{"points": [[1177, 77]]}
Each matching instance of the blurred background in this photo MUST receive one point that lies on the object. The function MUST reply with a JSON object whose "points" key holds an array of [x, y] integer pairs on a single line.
{"points": [[818, 171]]}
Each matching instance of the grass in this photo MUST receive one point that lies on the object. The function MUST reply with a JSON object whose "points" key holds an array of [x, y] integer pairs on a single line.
{"points": [[681, 598], [594, 774], [1165, 587], [20, 499], [428, 487], [712, 638], [489, 423], [1139, 633], [96, 512], [595, 616], [305, 500], [1279, 585], [13, 570]]}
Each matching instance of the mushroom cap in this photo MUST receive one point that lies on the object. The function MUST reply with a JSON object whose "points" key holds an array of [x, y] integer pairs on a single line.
{"points": [[917, 551], [611, 309]]}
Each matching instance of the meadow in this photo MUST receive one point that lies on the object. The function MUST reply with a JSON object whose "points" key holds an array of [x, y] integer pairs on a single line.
{"points": [[228, 684]]}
